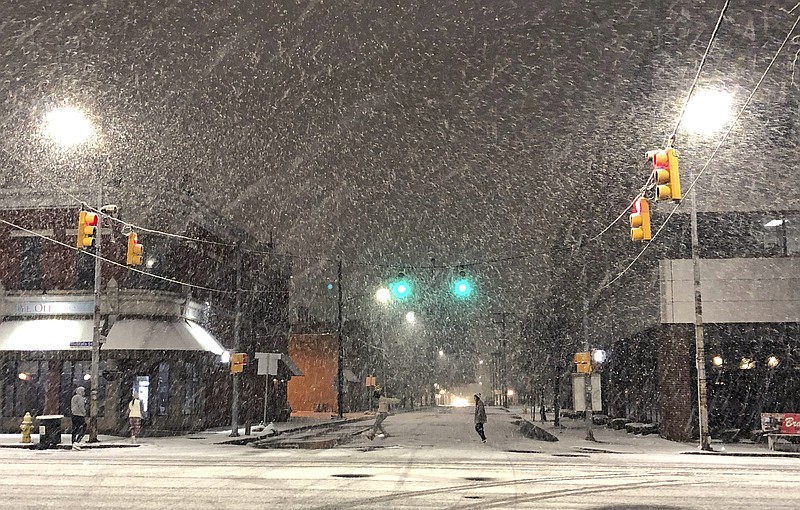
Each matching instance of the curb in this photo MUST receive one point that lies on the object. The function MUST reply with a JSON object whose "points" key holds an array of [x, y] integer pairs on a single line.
{"points": [[92, 446], [786, 455], [251, 439]]}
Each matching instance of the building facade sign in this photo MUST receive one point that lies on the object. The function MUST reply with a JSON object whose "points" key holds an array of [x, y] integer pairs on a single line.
{"points": [[54, 308]]}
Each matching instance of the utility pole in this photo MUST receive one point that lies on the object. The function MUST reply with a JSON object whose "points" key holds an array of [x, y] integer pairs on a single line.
{"points": [[237, 326], [339, 367], [700, 352], [95, 368], [587, 394]]}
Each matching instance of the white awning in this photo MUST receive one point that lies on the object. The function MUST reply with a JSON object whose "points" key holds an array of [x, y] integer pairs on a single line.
{"points": [[144, 334], [133, 334]]}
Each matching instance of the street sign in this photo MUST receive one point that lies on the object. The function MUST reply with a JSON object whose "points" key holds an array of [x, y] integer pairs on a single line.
{"points": [[371, 381], [578, 389]]}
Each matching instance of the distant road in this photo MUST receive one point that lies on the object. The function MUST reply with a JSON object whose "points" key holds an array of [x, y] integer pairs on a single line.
{"points": [[432, 460]]}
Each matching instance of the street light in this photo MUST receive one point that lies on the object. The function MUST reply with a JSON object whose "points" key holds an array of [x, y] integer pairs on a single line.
{"points": [[69, 127], [383, 295], [411, 317], [706, 112]]}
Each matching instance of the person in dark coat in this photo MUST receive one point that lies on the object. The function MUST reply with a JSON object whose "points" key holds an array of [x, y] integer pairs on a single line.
{"points": [[480, 417]]}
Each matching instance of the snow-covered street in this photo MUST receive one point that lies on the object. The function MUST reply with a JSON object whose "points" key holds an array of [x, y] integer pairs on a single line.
{"points": [[432, 459]]}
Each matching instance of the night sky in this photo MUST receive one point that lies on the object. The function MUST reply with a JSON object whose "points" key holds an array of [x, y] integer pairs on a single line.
{"points": [[393, 133]]}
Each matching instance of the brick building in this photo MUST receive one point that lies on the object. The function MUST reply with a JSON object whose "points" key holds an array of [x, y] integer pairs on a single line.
{"points": [[164, 339], [750, 278]]}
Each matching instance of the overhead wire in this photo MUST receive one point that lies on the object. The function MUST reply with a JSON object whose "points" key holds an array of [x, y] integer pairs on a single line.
{"points": [[680, 118], [699, 70], [713, 154], [132, 269], [478, 262]]}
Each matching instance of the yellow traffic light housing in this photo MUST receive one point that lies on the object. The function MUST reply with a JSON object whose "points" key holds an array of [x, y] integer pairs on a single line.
{"points": [[238, 361], [135, 250], [640, 221], [87, 225], [583, 362], [667, 177]]}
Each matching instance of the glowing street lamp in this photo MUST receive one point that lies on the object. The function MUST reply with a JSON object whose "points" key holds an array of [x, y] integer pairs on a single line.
{"points": [[383, 295], [708, 111], [68, 127], [411, 317]]}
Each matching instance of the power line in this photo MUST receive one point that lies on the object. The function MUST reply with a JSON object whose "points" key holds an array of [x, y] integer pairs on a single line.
{"points": [[713, 154], [151, 275], [699, 69], [680, 117]]}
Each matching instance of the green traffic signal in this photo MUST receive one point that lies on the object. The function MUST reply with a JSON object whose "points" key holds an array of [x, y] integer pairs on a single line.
{"points": [[462, 288], [401, 289]]}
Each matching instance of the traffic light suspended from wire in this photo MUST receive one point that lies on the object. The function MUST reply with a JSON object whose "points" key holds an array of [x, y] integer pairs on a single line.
{"points": [[667, 182], [640, 220], [87, 225], [401, 288], [666, 174], [461, 287], [135, 250]]}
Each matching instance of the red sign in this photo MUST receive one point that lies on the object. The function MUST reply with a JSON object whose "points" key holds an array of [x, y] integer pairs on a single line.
{"points": [[790, 424]]}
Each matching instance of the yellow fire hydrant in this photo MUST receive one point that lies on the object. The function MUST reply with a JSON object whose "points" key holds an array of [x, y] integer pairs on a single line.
{"points": [[26, 428]]}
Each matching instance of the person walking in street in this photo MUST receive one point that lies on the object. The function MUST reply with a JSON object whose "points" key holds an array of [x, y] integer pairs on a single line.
{"points": [[135, 416], [383, 412], [78, 408], [480, 417]]}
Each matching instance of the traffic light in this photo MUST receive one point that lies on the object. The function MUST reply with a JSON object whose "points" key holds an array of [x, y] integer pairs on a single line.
{"points": [[135, 250], [461, 287], [640, 220], [401, 288], [87, 224], [583, 362], [667, 177], [238, 361]]}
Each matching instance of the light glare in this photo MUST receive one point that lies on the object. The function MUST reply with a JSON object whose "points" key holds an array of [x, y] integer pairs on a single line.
{"points": [[708, 111], [68, 127], [383, 295]]}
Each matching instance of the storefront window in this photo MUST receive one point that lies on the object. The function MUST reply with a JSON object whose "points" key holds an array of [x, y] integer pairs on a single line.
{"points": [[24, 386], [162, 392], [193, 395], [78, 373], [142, 388]]}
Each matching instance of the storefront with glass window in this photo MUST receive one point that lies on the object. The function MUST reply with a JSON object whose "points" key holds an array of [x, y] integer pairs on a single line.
{"points": [[173, 363]]}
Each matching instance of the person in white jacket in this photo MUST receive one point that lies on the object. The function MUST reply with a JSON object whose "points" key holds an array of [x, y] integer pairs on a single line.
{"points": [[383, 412], [135, 416]]}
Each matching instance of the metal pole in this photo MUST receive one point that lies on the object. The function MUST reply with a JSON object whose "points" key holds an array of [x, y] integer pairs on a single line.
{"points": [[266, 396], [339, 368], [95, 368], [587, 394], [237, 325], [700, 354]]}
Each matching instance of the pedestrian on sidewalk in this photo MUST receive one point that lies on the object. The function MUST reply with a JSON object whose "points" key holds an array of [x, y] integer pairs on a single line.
{"points": [[135, 416], [78, 408], [480, 417], [383, 412]]}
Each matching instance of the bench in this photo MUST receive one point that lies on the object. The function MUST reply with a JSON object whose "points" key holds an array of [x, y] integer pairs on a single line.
{"points": [[780, 426]]}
